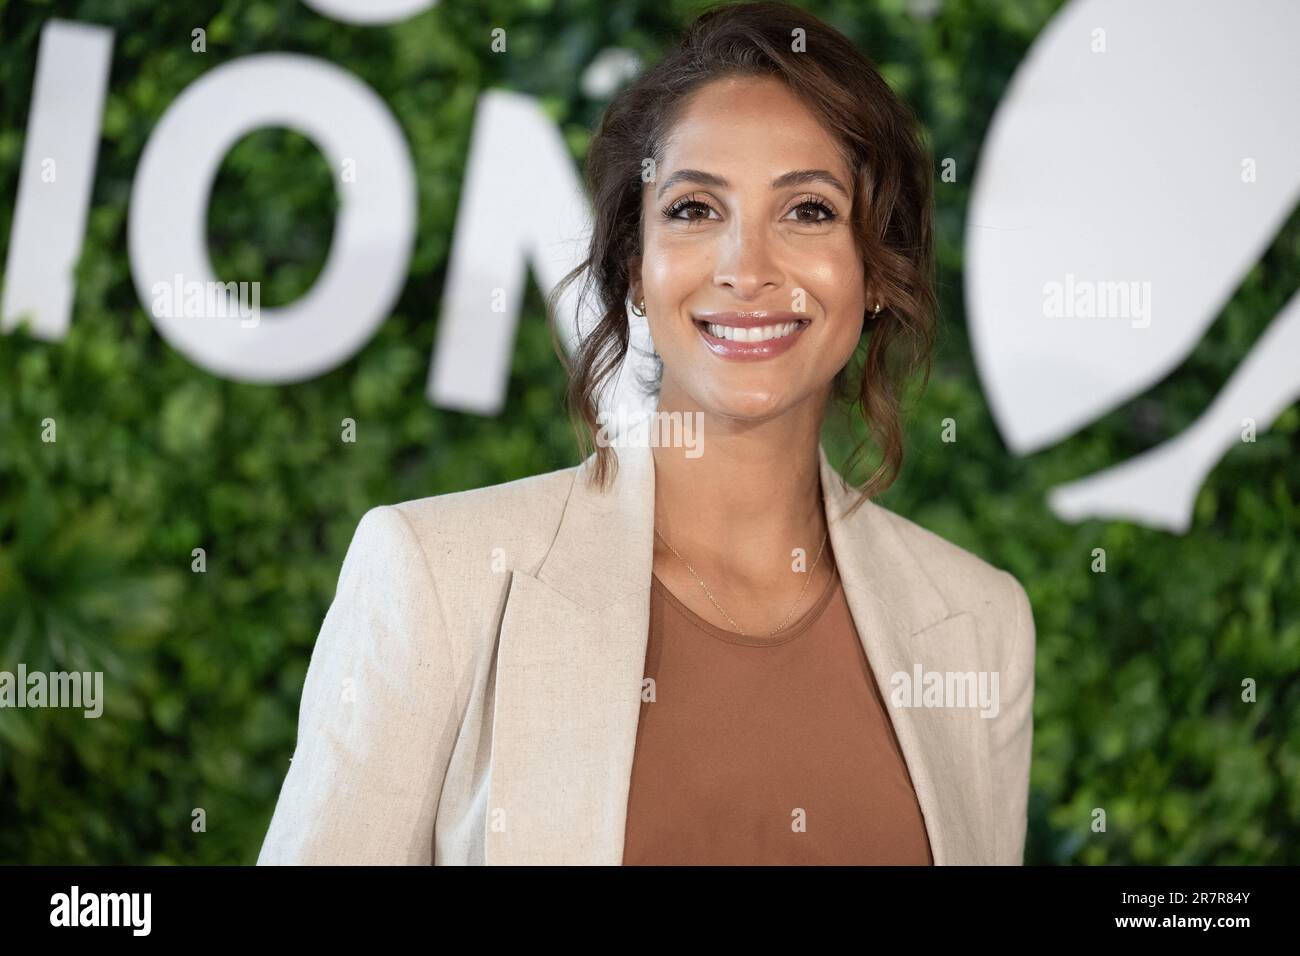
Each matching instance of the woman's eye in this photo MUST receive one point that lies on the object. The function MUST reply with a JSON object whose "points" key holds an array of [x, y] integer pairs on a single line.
{"points": [[812, 207], [688, 204]]}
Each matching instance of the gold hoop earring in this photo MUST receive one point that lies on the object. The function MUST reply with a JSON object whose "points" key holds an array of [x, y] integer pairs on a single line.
{"points": [[639, 309]]}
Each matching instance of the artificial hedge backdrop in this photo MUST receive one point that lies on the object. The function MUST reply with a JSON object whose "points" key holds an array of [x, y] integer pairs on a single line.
{"points": [[1139, 672]]}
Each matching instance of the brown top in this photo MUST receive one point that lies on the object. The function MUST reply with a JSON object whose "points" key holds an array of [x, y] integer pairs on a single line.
{"points": [[766, 750]]}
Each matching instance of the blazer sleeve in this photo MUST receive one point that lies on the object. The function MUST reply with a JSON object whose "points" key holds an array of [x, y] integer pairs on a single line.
{"points": [[379, 713], [1013, 733]]}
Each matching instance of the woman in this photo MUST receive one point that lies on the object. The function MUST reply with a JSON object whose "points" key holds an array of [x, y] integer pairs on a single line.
{"points": [[719, 655]]}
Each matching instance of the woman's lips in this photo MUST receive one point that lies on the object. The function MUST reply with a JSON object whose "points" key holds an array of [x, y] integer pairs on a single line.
{"points": [[750, 351]]}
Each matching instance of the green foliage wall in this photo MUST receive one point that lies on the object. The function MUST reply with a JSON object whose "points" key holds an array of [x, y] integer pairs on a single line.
{"points": [[1138, 706]]}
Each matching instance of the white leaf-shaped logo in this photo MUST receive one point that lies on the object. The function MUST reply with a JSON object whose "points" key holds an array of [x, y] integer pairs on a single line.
{"points": [[1144, 156]]}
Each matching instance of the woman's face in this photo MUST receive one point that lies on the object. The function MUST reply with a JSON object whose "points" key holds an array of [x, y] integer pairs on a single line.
{"points": [[746, 224]]}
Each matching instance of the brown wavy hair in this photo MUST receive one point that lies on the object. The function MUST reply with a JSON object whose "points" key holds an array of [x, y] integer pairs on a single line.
{"points": [[892, 217]]}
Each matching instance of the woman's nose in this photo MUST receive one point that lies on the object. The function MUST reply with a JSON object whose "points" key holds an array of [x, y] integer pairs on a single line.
{"points": [[745, 263]]}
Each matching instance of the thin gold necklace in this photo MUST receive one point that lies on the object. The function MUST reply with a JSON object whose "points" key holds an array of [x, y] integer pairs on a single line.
{"points": [[734, 625]]}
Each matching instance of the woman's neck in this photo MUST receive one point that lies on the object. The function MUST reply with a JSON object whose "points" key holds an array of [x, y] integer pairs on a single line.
{"points": [[750, 497]]}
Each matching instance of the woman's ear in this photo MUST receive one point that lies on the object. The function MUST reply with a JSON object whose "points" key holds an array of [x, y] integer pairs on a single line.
{"points": [[634, 278], [873, 299]]}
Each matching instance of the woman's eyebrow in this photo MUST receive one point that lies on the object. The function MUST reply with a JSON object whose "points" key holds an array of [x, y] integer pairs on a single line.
{"points": [[796, 177], [800, 176]]}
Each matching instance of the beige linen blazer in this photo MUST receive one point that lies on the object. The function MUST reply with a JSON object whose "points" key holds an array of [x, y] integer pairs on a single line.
{"points": [[474, 693]]}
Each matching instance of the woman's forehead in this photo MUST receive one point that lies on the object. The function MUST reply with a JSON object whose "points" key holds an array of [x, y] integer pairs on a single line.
{"points": [[757, 131]]}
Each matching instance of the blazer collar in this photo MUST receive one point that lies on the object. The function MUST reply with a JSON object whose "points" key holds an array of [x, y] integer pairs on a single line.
{"points": [[571, 657], [604, 548]]}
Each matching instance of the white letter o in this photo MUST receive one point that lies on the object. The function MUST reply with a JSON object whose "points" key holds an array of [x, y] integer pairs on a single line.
{"points": [[366, 268]]}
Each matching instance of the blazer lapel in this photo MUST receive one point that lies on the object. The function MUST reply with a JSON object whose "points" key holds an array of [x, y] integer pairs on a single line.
{"points": [[570, 662], [571, 658], [904, 625]]}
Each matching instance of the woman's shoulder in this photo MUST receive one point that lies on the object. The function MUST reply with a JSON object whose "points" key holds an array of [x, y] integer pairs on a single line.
{"points": [[510, 522], [947, 580], [966, 581]]}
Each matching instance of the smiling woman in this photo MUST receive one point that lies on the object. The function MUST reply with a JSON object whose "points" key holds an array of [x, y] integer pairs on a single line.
{"points": [[686, 654], [783, 166]]}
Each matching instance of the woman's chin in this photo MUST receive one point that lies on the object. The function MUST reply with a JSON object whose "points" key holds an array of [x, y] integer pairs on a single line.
{"points": [[746, 406]]}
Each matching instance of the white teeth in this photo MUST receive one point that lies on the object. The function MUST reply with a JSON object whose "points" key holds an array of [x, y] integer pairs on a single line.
{"points": [[757, 334]]}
